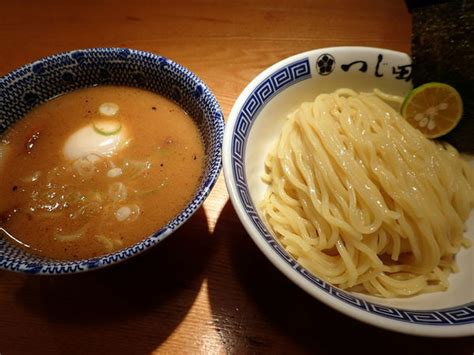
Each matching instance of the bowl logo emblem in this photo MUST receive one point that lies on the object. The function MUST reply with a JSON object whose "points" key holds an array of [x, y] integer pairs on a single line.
{"points": [[325, 64]]}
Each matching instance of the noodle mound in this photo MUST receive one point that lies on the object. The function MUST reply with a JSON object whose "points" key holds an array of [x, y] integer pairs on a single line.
{"points": [[363, 200]]}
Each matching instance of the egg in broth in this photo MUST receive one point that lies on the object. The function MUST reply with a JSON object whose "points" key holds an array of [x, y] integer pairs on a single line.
{"points": [[96, 170]]}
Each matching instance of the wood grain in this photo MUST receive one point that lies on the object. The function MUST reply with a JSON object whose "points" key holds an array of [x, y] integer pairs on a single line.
{"points": [[207, 289]]}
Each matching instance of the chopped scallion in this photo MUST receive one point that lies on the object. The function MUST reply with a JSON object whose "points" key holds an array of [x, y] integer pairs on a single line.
{"points": [[107, 128]]}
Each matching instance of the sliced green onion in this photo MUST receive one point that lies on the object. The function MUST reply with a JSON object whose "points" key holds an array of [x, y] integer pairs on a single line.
{"points": [[108, 109], [109, 243], [106, 242], [118, 192], [153, 190], [70, 237], [114, 172], [127, 213], [32, 178], [134, 168], [107, 128], [164, 152]]}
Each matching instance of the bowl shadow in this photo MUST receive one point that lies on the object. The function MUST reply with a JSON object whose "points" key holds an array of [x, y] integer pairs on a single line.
{"points": [[257, 309], [147, 297]]}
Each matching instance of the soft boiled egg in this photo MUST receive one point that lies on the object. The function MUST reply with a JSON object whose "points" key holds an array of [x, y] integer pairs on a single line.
{"points": [[104, 137]]}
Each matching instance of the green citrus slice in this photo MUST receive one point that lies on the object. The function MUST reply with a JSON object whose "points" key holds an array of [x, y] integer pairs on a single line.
{"points": [[433, 108]]}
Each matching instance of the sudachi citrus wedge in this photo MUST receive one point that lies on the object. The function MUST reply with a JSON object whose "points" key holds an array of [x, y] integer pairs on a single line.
{"points": [[433, 108]]}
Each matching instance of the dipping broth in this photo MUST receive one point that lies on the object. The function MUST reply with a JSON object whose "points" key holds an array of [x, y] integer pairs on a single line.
{"points": [[97, 170]]}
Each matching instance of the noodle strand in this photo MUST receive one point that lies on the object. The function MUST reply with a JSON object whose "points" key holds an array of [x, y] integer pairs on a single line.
{"points": [[363, 200]]}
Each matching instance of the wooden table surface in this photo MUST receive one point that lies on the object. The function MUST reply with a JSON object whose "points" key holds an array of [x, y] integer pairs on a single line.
{"points": [[207, 288]]}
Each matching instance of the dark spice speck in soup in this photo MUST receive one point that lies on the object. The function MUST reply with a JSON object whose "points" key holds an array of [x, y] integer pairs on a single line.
{"points": [[97, 170]]}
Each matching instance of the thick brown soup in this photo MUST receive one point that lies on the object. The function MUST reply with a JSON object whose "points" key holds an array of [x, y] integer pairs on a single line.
{"points": [[97, 170]]}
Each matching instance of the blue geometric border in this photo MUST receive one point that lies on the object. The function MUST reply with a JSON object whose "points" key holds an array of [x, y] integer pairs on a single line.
{"points": [[270, 86], [37, 82], [287, 76]]}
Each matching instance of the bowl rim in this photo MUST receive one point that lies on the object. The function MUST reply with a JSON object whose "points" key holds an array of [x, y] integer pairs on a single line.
{"points": [[313, 288], [66, 267]]}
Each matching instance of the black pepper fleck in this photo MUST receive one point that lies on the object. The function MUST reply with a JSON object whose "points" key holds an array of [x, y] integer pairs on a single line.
{"points": [[153, 108], [14, 188], [194, 157]]}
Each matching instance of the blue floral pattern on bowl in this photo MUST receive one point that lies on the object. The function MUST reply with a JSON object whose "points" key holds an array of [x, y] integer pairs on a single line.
{"points": [[34, 83]]}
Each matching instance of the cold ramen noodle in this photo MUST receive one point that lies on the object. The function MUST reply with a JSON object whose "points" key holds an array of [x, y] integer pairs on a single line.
{"points": [[363, 200], [97, 170]]}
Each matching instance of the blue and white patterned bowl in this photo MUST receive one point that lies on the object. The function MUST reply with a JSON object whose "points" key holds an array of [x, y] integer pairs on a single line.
{"points": [[46, 78], [254, 125]]}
